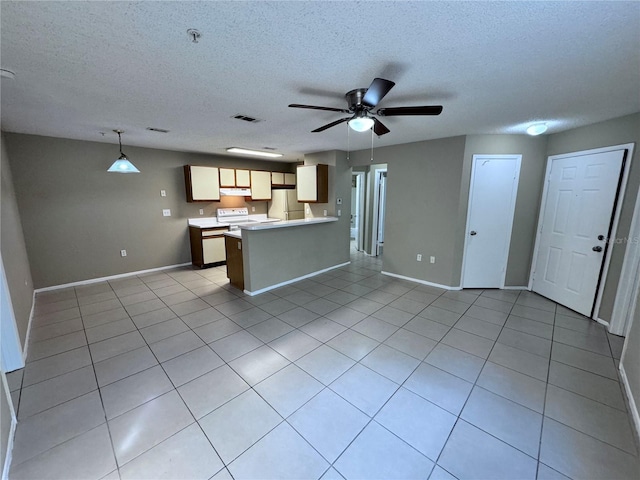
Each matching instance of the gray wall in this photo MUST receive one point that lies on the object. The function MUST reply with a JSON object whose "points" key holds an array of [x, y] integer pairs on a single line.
{"points": [[14, 251], [77, 217], [631, 358], [604, 134], [423, 195], [532, 168]]}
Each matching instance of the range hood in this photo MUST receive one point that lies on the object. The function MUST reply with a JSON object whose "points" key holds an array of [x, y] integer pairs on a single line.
{"points": [[236, 192]]}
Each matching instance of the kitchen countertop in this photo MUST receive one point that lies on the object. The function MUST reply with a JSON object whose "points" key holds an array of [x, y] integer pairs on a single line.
{"points": [[288, 223], [234, 233], [212, 222]]}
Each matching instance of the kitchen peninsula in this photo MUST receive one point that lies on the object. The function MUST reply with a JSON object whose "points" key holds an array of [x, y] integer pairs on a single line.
{"points": [[274, 254]]}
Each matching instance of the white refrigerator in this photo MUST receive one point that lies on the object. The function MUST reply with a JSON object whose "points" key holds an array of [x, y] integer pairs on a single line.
{"points": [[285, 206]]}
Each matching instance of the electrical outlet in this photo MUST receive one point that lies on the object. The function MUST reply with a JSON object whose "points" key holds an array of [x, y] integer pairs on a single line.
{"points": [[253, 209], [166, 212], [325, 213], [339, 212], [308, 210], [432, 259], [202, 211], [163, 193], [123, 253], [419, 257]]}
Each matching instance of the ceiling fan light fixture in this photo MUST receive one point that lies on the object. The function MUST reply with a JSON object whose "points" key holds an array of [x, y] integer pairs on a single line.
{"points": [[361, 124], [122, 164], [537, 129]]}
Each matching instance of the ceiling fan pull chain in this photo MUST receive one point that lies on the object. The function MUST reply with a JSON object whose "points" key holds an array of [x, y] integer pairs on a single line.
{"points": [[348, 142], [372, 145]]}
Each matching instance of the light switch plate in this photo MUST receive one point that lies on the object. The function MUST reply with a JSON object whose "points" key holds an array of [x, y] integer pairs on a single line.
{"points": [[163, 193], [202, 211], [166, 212]]}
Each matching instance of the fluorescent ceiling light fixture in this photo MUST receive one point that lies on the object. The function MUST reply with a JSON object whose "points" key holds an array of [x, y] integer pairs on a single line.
{"points": [[537, 129], [361, 124], [122, 164], [257, 153]]}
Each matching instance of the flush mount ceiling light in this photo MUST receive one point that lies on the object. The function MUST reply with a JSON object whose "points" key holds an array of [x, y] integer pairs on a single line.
{"points": [[537, 129], [122, 164], [257, 153], [361, 123], [4, 73]]}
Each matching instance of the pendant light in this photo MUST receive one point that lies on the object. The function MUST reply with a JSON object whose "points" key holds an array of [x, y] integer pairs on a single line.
{"points": [[122, 164]]}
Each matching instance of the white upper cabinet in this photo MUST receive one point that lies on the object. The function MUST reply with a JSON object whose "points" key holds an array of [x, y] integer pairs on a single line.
{"points": [[313, 183], [260, 185], [202, 184], [227, 177], [243, 178]]}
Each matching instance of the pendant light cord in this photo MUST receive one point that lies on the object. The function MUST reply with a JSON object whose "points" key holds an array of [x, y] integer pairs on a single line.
{"points": [[120, 143]]}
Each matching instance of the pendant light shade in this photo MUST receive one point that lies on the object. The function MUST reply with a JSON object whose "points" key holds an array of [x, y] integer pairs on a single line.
{"points": [[122, 164]]}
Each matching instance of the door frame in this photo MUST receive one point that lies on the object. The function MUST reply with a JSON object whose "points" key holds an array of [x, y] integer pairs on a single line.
{"points": [[12, 357], [628, 284], [360, 178], [616, 217], [518, 158], [376, 199]]}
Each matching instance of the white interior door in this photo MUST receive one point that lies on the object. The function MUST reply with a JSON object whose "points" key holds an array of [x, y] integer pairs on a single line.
{"points": [[574, 226], [492, 199]]}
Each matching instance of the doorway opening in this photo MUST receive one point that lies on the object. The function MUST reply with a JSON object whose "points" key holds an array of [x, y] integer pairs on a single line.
{"points": [[379, 202], [356, 227]]}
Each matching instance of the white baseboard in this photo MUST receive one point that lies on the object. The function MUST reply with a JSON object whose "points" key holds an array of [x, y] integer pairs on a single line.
{"points": [[14, 422], [602, 322], [423, 282], [293, 280], [508, 287], [633, 406], [25, 348], [110, 277]]}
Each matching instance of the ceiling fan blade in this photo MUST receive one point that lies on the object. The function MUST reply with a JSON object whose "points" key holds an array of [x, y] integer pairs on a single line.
{"points": [[425, 110], [379, 128], [314, 107], [376, 91], [332, 124]]}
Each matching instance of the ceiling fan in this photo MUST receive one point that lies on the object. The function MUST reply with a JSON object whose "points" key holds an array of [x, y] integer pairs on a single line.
{"points": [[361, 103]]}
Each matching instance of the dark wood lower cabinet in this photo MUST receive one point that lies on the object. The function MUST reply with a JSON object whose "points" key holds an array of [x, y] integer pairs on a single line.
{"points": [[235, 265]]}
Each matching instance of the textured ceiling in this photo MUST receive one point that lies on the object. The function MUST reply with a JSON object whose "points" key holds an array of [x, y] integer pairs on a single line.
{"points": [[88, 67]]}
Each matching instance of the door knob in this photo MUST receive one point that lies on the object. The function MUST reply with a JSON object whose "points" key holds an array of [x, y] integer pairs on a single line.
{"points": [[600, 237], [472, 232], [597, 249]]}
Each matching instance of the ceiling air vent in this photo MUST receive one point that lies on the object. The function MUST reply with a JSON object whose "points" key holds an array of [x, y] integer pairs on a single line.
{"points": [[246, 118], [159, 130]]}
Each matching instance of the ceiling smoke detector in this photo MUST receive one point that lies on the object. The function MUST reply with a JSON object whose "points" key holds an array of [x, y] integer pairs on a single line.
{"points": [[194, 35]]}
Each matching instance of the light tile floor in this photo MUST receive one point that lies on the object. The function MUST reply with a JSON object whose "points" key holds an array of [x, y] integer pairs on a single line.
{"points": [[348, 374]]}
